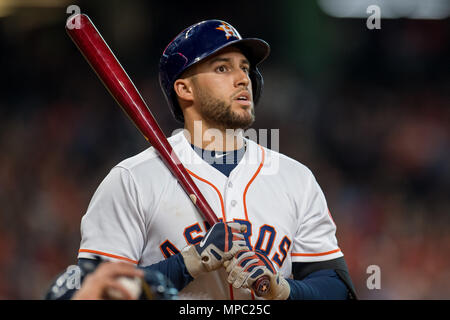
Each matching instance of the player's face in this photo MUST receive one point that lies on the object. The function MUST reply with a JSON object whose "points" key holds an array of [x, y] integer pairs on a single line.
{"points": [[223, 90]]}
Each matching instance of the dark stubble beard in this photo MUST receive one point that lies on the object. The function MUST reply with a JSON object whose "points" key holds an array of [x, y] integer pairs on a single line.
{"points": [[219, 114]]}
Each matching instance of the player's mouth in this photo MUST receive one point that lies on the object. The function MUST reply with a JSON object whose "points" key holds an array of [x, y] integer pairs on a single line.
{"points": [[243, 98]]}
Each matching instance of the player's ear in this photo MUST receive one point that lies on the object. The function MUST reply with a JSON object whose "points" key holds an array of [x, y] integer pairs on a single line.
{"points": [[184, 89]]}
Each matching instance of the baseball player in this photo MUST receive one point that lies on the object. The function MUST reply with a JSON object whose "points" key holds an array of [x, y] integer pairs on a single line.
{"points": [[274, 217]]}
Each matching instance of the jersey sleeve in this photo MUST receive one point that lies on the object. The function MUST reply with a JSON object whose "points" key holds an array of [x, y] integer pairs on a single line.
{"points": [[114, 225], [315, 239]]}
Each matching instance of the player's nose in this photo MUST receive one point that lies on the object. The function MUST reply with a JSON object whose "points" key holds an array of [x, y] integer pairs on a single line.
{"points": [[242, 79]]}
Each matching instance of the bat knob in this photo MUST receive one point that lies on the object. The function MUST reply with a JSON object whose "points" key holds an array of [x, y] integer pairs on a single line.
{"points": [[262, 286]]}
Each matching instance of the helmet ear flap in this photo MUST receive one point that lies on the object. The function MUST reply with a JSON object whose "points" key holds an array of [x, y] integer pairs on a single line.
{"points": [[173, 64], [257, 84]]}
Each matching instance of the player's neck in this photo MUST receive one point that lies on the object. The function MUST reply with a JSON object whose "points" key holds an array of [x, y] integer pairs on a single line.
{"points": [[202, 135]]}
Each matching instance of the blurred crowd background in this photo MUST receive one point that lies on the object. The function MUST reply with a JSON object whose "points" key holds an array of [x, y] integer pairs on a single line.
{"points": [[368, 111]]}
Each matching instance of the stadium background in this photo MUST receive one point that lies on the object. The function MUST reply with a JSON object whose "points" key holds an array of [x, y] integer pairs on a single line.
{"points": [[366, 110]]}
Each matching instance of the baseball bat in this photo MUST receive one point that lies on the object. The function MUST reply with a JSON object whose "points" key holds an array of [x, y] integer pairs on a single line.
{"points": [[105, 64]]}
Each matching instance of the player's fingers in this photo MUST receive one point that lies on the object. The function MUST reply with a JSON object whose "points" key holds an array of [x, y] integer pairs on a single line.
{"points": [[239, 274], [233, 274], [247, 259], [242, 255], [240, 279], [234, 262], [238, 236], [237, 247], [241, 244], [237, 259], [231, 264], [255, 274], [237, 227]]}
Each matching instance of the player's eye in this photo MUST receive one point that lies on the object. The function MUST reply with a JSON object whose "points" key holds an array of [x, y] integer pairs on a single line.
{"points": [[221, 69], [246, 69]]}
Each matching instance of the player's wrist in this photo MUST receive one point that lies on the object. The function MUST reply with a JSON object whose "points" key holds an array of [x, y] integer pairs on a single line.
{"points": [[280, 288], [193, 261]]}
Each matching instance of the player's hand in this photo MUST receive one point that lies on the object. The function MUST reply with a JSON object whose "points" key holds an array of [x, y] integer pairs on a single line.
{"points": [[96, 285], [220, 244], [248, 266]]}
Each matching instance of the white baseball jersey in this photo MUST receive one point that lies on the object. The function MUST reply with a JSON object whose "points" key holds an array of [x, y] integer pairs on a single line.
{"points": [[141, 214]]}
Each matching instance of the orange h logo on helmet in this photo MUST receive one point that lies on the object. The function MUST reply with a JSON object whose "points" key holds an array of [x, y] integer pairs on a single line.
{"points": [[229, 30]]}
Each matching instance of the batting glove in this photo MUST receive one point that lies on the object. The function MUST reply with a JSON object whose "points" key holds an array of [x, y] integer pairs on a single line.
{"points": [[220, 244], [248, 266]]}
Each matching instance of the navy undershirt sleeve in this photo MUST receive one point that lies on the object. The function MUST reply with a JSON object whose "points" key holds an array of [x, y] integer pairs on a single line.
{"points": [[319, 285], [174, 269]]}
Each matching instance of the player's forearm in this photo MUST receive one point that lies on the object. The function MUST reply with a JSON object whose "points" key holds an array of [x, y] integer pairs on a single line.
{"points": [[319, 285], [174, 269]]}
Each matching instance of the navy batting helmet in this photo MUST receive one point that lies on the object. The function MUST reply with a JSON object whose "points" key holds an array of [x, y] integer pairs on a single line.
{"points": [[200, 41]]}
